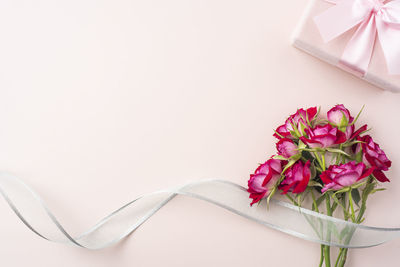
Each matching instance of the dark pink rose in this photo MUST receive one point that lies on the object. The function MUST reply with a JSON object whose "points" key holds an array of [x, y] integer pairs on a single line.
{"points": [[338, 176], [264, 179], [296, 178], [374, 156], [323, 136], [298, 120], [339, 116], [286, 147]]}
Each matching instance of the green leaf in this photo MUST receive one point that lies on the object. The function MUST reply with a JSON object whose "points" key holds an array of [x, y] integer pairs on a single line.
{"points": [[347, 144], [319, 200], [290, 163], [339, 151], [293, 133], [302, 127], [338, 203], [342, 129], [314, 183], [316, 149], [322, 121], [313, 171], [279, 157], [359, 156], [295, 157], [318, 111], [358, 115], [346, 189], [278, 134], [356, 196], [377, 190], [367, 190], [355, 186], [270, 195], [301, 145], [295, 130], [334, 206], [344, 121]]}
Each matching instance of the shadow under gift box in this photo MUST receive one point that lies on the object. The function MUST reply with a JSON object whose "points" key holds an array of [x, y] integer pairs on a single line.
{"points": [[307, 37]]}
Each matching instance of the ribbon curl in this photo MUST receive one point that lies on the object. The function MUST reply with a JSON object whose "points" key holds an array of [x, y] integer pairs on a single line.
{"points": [[282, 216], [373, 17]]}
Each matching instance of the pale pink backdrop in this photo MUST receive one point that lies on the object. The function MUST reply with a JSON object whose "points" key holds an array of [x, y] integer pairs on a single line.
{"points": [[102, 101]]}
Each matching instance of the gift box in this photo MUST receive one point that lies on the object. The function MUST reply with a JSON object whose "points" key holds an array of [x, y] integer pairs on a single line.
{"points": [[360, 36]]}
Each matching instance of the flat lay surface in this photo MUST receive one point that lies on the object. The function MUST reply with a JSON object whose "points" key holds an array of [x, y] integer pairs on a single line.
{"points": [[103, 101]]}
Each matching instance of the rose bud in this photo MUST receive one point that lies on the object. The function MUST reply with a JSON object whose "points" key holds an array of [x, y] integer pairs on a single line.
{"points": [[323, 136], [286, 148], [337, 177], [374, 156], [339, 116], [296, 178], [299, 120], [264, 179]]}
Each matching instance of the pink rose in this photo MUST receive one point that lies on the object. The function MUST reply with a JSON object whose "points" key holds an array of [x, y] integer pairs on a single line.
{"points": [[297, 119], [264, 179], [286, 148], [338, 176], [323, 136], [374, 156], [339, 116], [296, 178]]}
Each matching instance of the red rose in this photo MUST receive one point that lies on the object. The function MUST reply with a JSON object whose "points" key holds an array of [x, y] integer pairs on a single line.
{"points": [[374, 156], [296, 178], [264, 179], [286, 148], [339, 116], [338, 176], [298, 120], [323, 136]]}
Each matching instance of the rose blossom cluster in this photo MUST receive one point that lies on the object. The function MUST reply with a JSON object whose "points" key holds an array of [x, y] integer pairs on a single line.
{"points": [[323, 154]]}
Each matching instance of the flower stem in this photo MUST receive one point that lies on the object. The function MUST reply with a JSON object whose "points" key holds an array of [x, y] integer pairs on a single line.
{"points": [[318, 159], [358, 219], [321, 261], [339, 257], [353, 215], [328, 248], [323, 161]]}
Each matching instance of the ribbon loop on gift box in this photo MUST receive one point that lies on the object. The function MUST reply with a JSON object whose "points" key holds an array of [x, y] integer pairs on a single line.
{"points": [[373, 17], [282, 216]]}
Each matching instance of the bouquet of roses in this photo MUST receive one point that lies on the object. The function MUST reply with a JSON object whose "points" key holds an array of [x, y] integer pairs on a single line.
{"points": [[326, 159]]}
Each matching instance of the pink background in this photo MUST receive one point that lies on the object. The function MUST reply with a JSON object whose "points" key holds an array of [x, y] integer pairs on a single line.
{"points": [[102, 101]]}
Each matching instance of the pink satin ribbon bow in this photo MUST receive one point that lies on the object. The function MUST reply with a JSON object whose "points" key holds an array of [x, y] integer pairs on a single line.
{"points": [[372, 17]]}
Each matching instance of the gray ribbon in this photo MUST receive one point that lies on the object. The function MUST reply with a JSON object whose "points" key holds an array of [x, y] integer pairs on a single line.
{"points": [[280, 215]]}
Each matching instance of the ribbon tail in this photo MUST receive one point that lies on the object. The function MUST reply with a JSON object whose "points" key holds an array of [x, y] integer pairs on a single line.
{"points": [[358, 52], [389, 38], [281, 216]]}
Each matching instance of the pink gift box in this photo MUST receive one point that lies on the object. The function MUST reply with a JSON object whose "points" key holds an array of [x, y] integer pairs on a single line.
{"points": [[308, 38]]}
